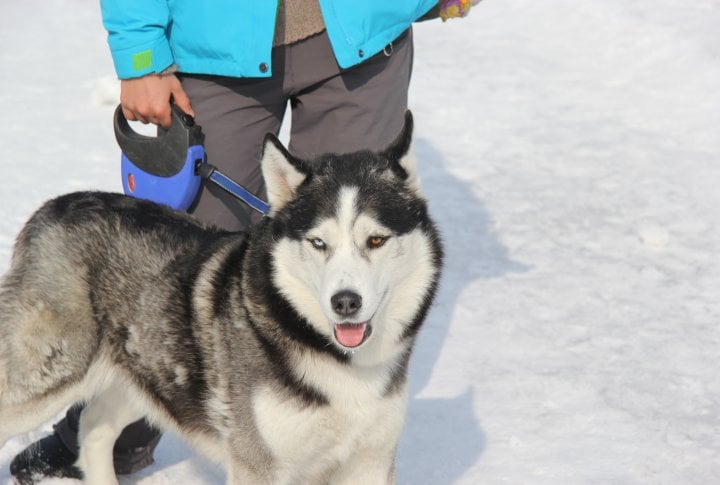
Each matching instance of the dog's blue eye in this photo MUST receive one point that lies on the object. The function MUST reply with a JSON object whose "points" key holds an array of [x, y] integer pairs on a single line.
{"points": [[317, 243]]}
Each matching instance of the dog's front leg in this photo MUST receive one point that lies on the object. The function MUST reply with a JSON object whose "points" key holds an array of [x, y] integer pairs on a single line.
{"points": [[367, 466], [101, 422], [238, 474]]}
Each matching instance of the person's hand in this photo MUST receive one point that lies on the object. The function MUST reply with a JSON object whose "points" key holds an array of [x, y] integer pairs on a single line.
{"points": [[147, 98], [449, 9]]}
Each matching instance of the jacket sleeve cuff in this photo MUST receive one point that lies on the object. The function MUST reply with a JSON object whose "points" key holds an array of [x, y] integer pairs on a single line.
{"points": [[143, 60]]}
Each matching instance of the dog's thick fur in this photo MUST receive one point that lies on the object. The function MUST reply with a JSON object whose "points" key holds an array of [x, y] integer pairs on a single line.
{"points": [[282, 355]]}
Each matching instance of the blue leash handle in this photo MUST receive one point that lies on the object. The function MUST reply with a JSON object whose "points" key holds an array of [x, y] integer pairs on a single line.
{"points": [[168, 168]]}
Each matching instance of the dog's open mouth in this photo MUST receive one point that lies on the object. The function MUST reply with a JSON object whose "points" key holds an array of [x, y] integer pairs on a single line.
{"points": [[352, 335]]}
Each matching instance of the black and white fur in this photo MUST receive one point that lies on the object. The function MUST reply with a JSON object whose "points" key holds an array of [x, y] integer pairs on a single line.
{"points": [[283, 355]]}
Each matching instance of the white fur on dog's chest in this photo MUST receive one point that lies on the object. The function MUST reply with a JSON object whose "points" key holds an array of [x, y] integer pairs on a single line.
{"points": [[310, 443]]}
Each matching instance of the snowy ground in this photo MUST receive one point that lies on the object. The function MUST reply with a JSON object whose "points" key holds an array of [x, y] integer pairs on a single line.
{"points": [[570, 150]]}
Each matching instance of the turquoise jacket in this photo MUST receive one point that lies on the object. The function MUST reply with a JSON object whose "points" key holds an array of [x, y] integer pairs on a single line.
{"points": [[234, 37]]}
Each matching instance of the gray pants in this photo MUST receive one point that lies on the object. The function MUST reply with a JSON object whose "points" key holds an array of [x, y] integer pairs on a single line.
{"points": [[333, 110]]}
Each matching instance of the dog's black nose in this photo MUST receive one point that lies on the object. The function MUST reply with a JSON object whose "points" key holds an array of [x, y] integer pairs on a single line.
{"points": [[346, 303]]}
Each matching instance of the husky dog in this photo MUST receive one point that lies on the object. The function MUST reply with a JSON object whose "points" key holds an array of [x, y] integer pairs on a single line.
{"points": [[282, 355]]}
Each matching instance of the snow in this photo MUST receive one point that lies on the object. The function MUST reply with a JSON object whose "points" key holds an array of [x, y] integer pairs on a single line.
{"points": [[569, 149]]}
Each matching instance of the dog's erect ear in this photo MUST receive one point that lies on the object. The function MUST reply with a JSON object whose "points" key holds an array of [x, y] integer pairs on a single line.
{"points": [[400, 152], [282, 173]]}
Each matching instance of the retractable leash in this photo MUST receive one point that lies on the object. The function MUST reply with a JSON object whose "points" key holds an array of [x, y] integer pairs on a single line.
{"points": [[169, 168]]}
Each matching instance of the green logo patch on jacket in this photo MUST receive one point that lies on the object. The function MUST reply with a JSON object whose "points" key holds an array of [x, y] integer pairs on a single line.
{"points": [[142, 60]]}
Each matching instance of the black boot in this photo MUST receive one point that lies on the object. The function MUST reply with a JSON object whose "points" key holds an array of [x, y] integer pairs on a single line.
{"points": [[55, 455], [48, 457]]}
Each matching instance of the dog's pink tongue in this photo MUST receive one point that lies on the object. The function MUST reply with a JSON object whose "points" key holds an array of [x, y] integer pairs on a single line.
{"points": [[350, 334]]}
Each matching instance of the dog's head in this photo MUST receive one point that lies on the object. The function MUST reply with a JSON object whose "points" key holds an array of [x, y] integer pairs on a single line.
{"points": [[354, 252]]}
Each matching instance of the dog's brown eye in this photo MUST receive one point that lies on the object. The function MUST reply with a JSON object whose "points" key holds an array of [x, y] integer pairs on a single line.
{"points": [[317, 243], [375, 242]]}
